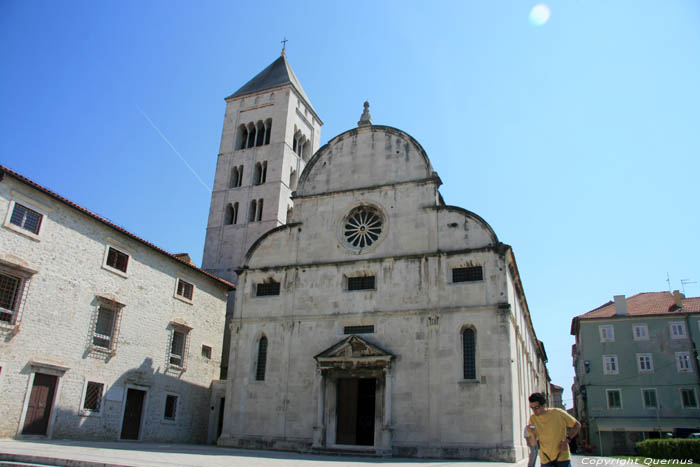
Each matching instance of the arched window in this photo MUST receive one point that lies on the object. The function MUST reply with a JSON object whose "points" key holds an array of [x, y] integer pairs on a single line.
{"points": [[262, 359], [257, 174], [263, 172], [234, 180], [251, 211], [306, 150], [242, 137], [469, 353], [293, 180], [260, 207], [228, 215], [268, 130], [251, 136], [235, 213], [240, 175], [260, 139], [289, 214]]}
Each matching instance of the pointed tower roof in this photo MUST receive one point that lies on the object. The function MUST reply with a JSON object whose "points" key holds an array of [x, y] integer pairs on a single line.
{"points": [[278, 73]]}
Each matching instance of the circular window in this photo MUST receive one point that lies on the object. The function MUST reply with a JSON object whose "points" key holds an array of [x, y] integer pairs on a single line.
{"points": [[362, 227]]}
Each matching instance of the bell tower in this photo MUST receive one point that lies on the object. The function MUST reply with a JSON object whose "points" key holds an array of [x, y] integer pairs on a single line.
{"points": [[270, 131]]}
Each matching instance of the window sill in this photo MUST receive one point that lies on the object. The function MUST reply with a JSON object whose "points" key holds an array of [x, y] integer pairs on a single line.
{"points": [[87, 413], [168, 422], [466, 282], [21, 231], [183, 299], [115, 271], [102, 350], [469, 381]]}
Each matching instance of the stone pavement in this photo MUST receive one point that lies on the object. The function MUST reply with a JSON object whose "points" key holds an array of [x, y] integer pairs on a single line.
{"points": [[118, 453]]}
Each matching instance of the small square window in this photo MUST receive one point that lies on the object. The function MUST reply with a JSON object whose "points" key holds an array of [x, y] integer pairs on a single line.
{"points": [[170, 412], [688, 399], [677, 330], [361, 283], [610, 365], [683, 362], [614, 398], [607, 333], [267, 289], [206, 352], [469, 274], [641, 332], [185, 289], [26, 218], [92, 402], [117, 259], [645, 364], [649, 398]]}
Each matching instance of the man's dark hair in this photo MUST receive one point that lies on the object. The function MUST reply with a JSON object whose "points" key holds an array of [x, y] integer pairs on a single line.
{"points": [[538, 397]]}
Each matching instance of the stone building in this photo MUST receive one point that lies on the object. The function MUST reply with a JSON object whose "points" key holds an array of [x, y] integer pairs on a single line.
{"points": [[102, 334], [371, 316]]}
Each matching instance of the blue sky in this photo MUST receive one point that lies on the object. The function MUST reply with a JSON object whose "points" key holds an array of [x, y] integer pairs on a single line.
{"points": [[577, 140]]}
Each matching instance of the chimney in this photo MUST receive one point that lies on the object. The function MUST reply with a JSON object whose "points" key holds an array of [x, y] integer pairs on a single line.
{"points": [[677, 299], [620, 305], [184, 257]]}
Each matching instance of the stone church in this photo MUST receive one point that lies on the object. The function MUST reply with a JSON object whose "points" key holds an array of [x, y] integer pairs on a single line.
{"points": [[369, 315]]}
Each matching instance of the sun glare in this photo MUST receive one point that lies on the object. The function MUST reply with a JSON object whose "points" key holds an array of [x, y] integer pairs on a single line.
{"points": [[539, 14]]}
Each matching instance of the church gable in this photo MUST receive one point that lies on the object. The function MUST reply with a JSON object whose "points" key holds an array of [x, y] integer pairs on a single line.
{"points": [[374, 155], [353, 352]]}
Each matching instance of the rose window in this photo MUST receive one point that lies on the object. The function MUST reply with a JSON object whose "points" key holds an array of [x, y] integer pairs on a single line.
{"points": [[362, 227]]}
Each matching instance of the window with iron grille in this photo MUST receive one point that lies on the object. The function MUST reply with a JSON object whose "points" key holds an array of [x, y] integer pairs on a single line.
{"points": [[177, 348], [92, 403], [10, 296], [117, 259], [470, 274], [368, 329], [688, 398], [267, 289], [262, 359], [170, 412], [26, 218], [206, 352], [361, 283], [105, 326], [469, 353], [185, 289]]}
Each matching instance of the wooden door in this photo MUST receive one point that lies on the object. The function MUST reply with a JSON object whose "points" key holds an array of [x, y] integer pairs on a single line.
{"points": [[133, 409], [346, 410], [36, 421]]}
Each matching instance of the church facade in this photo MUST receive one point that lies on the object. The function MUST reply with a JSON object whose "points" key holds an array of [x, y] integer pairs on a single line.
{"points": [[369, 315]]}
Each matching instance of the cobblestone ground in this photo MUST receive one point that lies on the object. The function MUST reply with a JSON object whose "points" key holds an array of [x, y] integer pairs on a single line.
{"points": [[155, 454]]}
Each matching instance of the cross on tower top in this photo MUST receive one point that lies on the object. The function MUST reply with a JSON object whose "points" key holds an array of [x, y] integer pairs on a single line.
{"points": [[284, 44]]}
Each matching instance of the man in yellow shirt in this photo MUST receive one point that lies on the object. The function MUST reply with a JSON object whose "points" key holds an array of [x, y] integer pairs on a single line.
{"points": [[553, 428]]}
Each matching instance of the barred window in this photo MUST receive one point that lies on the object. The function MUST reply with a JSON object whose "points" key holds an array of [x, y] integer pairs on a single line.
{"points": [[469, 353], [185, 289], [177, 348], [170, 412], [93, 397], [117, 259], [470, 274], [103, 335], [10, 294], [361, 283], [368, 329], [267, 289], [262, 359], [26, 218]]}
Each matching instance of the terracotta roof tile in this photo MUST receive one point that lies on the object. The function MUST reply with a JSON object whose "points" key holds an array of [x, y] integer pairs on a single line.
{"points": [[25, 180], [646, 303]]}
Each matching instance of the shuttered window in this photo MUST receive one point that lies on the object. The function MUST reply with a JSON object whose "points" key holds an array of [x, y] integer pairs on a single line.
{"points": [[185, 289], [117, 260], [469, 351]]}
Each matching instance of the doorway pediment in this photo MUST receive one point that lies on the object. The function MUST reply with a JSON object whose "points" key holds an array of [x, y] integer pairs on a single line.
{"points": [[354, 352]]}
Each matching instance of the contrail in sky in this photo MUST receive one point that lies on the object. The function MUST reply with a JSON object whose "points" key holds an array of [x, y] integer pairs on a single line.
{"points": [[174, 150]]}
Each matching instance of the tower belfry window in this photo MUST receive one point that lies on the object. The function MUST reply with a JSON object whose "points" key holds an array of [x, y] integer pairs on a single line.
{"points": [[260, 129], [252, 211], [268, 130]]}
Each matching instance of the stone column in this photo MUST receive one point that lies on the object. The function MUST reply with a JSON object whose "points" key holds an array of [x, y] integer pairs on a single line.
{"points": [[386, 443], [319, 435]]}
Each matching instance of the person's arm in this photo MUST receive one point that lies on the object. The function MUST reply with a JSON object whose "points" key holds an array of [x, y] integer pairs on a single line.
{"points": [[572, 431], [531, 437]]}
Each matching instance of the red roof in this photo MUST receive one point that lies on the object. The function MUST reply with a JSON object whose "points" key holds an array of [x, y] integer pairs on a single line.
{"points": [[647, 303], [25, 180]]}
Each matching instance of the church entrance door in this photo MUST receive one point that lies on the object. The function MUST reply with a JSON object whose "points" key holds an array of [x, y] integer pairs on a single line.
{"points": [[355, 410]]}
